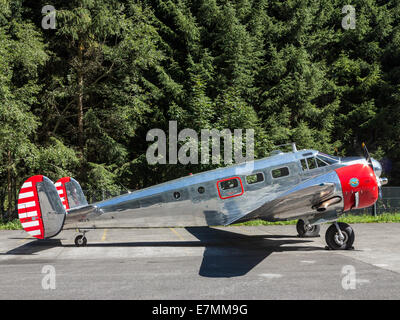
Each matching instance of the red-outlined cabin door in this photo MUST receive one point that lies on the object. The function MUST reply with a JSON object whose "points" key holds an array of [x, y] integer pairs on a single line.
{"points": [[231, 187]]}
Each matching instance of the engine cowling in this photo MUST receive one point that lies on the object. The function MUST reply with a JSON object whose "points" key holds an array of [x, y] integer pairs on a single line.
{"points": [[359, 186]]}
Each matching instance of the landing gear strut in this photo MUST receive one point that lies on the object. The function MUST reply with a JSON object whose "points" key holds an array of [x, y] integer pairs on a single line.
{"points": [[339, 236], [80, 240], [305, 230]]}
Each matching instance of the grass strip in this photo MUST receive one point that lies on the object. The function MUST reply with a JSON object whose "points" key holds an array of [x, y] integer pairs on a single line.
{"points": [[10, 225]]}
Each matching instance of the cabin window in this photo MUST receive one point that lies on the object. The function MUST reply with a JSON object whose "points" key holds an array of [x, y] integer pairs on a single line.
{"points": [[231, 187], [229, 184], [311, 163], [280, 172], [201, 190], [177, 195], [255, 178]]}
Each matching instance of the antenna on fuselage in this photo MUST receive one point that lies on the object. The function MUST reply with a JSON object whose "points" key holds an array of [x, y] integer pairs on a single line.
{"points": [[293, 144], [125, 187]]}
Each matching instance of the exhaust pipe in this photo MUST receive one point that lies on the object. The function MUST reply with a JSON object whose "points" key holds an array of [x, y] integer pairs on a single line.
{"points": [[384, 181], [324, 205]]}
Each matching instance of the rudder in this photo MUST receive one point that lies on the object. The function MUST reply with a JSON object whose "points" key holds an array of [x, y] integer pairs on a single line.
{"points": [[70, 193], [40, 209]]}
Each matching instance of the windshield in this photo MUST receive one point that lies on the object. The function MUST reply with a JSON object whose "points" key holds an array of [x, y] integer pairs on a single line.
{"points": [[327, 158]]}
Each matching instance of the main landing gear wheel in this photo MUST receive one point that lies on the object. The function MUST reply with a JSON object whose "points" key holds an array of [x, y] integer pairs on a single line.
{"points": [[339, 236], [80, 240], [305, 230]]}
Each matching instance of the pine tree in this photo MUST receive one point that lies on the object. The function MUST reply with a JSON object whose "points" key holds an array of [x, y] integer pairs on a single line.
{"points": [[22, 52]]}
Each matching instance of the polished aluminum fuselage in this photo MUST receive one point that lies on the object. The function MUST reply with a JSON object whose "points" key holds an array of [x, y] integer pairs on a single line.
{"points": [[273, 199]]}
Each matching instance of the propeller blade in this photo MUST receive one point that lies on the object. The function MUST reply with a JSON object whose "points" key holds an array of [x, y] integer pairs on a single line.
{"points": [[367, 155], [369, 160]]}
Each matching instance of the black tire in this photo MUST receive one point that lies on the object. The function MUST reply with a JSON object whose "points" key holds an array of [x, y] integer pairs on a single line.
{"points": [[80, 241], [303, 233], [331, 237]]}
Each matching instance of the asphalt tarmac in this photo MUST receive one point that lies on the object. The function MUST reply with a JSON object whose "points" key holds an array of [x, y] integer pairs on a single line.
{"points": [[262, 262]]}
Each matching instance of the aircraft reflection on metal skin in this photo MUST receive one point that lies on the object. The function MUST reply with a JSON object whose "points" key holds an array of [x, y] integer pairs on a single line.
{"points": [[306, 185]]}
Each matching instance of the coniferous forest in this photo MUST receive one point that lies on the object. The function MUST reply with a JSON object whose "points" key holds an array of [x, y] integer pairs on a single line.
{"points": [[78, 99]]}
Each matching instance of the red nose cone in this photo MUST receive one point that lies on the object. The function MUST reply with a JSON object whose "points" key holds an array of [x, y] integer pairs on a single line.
{"points": [[358, 178]]}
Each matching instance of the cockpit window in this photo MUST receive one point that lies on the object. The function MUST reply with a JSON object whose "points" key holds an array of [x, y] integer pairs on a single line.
{"points": [[328, 159], [311, 163], [318, 161], [304, 164], [321, 163]]}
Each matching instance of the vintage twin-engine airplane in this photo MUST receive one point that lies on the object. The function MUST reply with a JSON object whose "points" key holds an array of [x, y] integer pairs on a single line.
{"points": [[306, 185]]}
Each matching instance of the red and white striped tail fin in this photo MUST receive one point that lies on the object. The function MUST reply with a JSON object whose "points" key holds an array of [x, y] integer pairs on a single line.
{"points": [[70, 193], [29, 209], [62, 192], [39, 208]]}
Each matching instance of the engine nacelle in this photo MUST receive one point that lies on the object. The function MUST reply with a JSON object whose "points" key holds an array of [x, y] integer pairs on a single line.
{"points": [[359, 186]]}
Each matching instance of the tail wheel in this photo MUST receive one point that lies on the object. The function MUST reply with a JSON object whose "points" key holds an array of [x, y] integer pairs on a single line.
{"points": [[333, 239], [80, 241], [305, 230]]}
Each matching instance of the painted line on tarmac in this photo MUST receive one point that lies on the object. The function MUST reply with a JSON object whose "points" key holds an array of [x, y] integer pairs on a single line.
{"points": [[270, 275], [24, 240], [380, 265], [176, 232], [103, 238]]}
